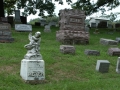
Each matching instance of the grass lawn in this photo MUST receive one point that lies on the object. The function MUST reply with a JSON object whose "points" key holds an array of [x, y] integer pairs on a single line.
{"points": [[63, 71]]}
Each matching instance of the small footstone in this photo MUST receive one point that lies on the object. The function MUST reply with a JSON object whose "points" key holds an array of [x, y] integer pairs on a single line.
{"points": [[102, 66], [114, 51], [67, 49], [108, 41], [92, 52]]}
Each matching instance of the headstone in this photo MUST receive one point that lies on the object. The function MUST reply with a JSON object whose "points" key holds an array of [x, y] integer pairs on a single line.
{"points": [[47, 28], [72, 27], [104, 41], [5, 33], [114, 51], [67, 49], [118, 65], [118, 39], [10, 20], [92, 52], [3, 19], [23, 27], [102, 66], [23, 19], [87, 28], [32, 66], [17, 17]]}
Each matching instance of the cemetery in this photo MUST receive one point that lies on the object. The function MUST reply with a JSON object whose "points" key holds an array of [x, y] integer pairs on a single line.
{"points": [[71, 56], [60, 68]]}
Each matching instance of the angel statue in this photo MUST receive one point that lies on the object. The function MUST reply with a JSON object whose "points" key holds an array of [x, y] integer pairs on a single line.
{"points": [[34, 46]]}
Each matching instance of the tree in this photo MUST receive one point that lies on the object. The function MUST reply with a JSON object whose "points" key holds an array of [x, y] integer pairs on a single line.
{"points": [[33, 6], [91, 7]]}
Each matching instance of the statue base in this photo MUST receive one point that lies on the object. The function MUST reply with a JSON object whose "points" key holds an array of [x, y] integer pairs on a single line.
{"points": [[32, 71]]}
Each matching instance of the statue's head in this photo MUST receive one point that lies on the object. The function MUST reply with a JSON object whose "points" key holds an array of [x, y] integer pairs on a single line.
{"points": [[37, 34]]}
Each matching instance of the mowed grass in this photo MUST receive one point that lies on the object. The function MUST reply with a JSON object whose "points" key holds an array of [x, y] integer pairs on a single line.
{"points": [[63, 71]]}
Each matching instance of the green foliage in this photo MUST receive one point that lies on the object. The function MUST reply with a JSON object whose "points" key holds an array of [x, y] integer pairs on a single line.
{"points": [[32, 21], [91, 7]]}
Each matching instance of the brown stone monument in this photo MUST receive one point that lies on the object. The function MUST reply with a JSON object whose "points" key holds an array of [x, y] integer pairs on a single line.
{"points": [[72, 27]]}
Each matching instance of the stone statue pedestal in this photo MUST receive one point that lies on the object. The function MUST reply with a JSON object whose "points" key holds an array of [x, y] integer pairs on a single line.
{"points": [[32, 71]]}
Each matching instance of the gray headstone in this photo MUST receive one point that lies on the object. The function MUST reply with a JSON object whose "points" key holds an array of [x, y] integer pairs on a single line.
{"points": [[47, 28], [102, 66], [17, 16], [104, 41], [23, 27], [5, 33], [114, 51], [67, 49], [92, 52]]}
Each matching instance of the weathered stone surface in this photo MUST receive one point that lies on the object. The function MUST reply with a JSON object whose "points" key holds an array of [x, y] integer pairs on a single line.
{"points": [[5, 33], [32, 70], [3, 19], [92, 52], [104, 41], [72, 37], [67, 49], [72, 27], [118, 65], [47, 28], [17, 17], [102, 66], [114, 51], [118, 39]]}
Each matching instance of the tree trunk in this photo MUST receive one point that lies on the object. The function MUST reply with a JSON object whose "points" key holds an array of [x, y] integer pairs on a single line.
{"points": [[2, 9]]}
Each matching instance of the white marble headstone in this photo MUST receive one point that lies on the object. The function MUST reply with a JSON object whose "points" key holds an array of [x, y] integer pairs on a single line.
{"points": [[23, 27], [118, 65], [32, 69]]}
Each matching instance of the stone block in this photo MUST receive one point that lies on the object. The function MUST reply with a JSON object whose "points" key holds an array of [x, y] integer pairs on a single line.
{"points": [[102, 66], [92, 52], [114, 51], [118, 65], [104, 41], [67, 49], [32, 71]]}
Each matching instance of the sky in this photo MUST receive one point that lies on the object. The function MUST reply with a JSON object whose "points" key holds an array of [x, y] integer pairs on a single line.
{"points": [[65, 5]]}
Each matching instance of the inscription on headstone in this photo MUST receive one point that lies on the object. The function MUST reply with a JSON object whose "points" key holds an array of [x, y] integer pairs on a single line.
{"points": [[23, 27]]}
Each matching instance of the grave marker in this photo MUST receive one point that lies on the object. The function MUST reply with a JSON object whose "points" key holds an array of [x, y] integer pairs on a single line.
{"points": [[23, 27], [5, 33]]}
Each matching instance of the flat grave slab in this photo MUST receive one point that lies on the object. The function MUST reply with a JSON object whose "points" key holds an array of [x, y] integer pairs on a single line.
{"points": [[102, 66], [23, 27], [104, 41], [92, 52], [114, 51], [67, 49]]}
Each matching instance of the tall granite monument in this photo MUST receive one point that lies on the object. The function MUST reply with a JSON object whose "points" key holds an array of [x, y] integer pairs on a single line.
{"points": [[32, 66], [72, 27]]}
